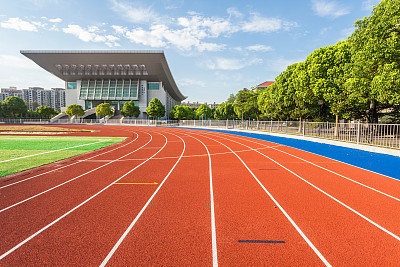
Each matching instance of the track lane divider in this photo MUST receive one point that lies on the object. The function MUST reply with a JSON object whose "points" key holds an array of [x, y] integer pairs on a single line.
{"points": [[66, 182], [325, 193], [213, 228], [80, 205], [326, 169], [29, 178], [308, 241], [121, 239]]}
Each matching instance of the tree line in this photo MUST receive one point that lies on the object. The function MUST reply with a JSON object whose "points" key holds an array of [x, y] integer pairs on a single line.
{"points": [[358, 78], [15, 107]]}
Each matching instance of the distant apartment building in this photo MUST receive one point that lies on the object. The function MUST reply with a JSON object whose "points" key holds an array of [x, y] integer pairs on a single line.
{"points": [[37, 96], [11, 91], [197, 104]]}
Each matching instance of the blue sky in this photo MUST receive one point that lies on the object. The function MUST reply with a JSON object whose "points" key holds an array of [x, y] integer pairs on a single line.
{"points": [[213, 48]]}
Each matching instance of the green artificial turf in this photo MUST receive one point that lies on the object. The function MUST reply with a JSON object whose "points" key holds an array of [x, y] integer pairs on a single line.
{"points": [[15, 147]]}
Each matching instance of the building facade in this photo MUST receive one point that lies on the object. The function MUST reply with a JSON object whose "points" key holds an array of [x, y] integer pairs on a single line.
{"points": [[115, 77]]}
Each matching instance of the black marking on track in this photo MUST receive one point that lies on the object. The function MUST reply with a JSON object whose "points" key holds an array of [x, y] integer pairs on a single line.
{"points": [[260, 241]]}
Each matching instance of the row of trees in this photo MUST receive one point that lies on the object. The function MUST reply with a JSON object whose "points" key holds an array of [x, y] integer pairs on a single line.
{"points": [[357, 78], [155, 110], [13, 107]]}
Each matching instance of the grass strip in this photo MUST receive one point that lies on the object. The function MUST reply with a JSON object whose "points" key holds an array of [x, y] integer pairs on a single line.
{"points": [[12, 147]]}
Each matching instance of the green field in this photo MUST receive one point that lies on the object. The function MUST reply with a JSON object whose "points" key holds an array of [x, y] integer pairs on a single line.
{"points": [[18, 153]]}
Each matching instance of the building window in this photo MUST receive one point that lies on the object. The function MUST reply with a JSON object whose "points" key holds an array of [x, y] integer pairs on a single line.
{"points": [[71, 85], [153, 86]]}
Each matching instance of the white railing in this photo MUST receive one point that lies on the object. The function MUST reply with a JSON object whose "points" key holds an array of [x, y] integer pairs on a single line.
{"points": [[383, 135]]}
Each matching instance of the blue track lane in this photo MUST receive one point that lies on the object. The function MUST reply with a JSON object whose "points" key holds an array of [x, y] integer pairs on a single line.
{"points": [[380, 163]]}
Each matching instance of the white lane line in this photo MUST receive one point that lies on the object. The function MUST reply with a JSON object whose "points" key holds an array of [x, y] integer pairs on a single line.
{"points": [[280, 207], [121, 239], [29, 178], [76, 207], [66, 182], [24, 157], [323, 168], [189, 156], [213, 228], [327, 194]]}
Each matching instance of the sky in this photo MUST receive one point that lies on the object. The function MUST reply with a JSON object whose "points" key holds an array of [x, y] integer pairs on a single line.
{"points": [[213, 48]]}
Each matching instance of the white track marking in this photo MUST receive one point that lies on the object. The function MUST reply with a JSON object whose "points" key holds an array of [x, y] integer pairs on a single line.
{"points": [[29, 178], [322, 258], [189, 156], [325, 193], [24, 157], [121, 239], [76, 207], [213, 228], [66, 182], [323, 168]]}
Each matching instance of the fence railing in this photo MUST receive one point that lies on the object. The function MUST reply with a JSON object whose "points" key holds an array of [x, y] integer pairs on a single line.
{"points": [[383, 135]]}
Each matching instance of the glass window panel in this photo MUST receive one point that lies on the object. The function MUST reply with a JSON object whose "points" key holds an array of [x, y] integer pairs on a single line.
{"points": [[125, 92], [112, 88], [153, 86], [119, 88], [83, 92], [105, 88], [134, 89], [90, 88], [98, 88], [71, 85]]}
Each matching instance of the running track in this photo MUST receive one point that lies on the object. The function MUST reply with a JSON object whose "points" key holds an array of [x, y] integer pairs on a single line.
{"points": [[180, 197]]}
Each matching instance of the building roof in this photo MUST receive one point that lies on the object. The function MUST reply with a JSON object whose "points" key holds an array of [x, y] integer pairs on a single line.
{"points": [[72, 65], [266, 84]]}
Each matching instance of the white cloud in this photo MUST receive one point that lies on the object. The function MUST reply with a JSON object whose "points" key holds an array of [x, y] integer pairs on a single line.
{"points": [[90, 35], [233, 12], [324, 8], [258, 23], [189, 82], [149, 38], [369, 4], [19, 25], [231, 63], [17, 62], [259, 47], [133, 12], [56, 20]]}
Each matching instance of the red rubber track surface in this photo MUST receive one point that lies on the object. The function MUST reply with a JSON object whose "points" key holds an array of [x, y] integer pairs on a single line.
{"points": [[316, 211]]}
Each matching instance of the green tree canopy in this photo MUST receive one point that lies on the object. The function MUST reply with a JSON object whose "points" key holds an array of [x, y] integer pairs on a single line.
{"points": [[46, 112], [104, 109], [130, 110], [204, 111], [225, 111], [75, 110], [14, 106], [155, 109], [375, 64]]}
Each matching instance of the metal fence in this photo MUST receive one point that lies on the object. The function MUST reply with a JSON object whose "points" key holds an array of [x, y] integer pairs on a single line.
{"points": [[383, 135]]}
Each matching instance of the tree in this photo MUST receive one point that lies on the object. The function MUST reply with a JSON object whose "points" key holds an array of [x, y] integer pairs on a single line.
{"points": [[204, 111], [75, 110], [130, 110], [46, 112], [155, 109], [14, 106], [231, 99], [375, 46], [104, 109], [240, 102]]}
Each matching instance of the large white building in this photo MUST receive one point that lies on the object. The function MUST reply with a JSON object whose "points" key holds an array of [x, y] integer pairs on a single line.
{"points": [[115, 77]]}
